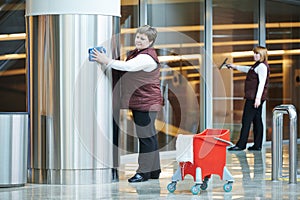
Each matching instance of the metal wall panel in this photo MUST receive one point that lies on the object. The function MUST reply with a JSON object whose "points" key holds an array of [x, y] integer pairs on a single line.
{"points": [[13, 148]]}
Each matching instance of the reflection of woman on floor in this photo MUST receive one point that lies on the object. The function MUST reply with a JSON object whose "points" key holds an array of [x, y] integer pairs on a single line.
{"points": [[258, 171]]}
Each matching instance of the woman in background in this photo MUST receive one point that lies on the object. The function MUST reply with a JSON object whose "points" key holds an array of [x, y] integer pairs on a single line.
{"points": [[256, 88]]}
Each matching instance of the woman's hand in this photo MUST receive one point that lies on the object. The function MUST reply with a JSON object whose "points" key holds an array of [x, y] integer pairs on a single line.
{"points": [[100, 57], [257, 102], [231, 66]]}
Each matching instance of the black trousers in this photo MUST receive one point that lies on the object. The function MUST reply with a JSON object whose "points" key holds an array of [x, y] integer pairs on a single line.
{"points": [[251, 115], [148, 158], [116, 157], [116, 76]]}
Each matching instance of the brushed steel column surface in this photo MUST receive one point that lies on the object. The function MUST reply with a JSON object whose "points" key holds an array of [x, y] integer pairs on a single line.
{"points": [[13, 149], [71, 112]]}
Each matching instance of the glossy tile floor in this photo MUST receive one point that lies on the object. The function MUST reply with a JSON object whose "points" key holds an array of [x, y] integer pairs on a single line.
{"points": [[251, 172]]}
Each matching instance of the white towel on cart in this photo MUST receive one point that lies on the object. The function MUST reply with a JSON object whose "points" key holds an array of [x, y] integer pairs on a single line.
{"points": [[184, 148]]}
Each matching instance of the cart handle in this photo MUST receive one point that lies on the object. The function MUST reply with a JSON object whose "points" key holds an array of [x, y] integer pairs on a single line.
{"points": [[225, 141]]}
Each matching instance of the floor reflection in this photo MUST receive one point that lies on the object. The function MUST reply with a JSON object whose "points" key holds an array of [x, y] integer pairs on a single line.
{"points": [[251, 172], [151, 189]]}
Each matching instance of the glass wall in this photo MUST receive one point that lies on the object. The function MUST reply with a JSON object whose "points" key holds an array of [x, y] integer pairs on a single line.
{"points": [[128, 22], [180, 48], [283, 42], [13, 79], [179, 45], [235, 33]]}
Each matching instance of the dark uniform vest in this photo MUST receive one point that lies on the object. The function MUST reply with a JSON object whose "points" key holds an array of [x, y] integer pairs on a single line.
{"points": [[141, 90], [251, 83]]}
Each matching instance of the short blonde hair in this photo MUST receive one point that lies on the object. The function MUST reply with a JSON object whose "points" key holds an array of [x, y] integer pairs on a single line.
{"points": [[263, 52], [149, 31]]}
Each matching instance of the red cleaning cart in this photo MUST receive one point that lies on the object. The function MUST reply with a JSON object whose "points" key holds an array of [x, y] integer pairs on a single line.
{"points": [[209, 157]]}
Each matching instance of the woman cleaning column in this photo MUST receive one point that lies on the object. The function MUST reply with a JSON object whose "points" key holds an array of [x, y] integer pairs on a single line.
{"points": [[141, 93]]}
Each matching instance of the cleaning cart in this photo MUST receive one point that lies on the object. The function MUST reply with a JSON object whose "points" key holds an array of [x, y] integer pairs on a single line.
{"points": [[200, 156]]}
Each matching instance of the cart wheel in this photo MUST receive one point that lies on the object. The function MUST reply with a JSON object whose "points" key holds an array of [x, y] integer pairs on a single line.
{"points": [[227, 187], [171, 187], [195, 189], [204, 185], [206, 179]]}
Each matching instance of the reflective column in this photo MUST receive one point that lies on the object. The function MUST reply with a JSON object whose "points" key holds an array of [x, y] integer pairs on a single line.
{"points": [[70, 97]]}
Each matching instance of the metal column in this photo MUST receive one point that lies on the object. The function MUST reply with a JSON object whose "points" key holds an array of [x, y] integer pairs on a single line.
{"points": [[278, 112], [70, 97]]}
